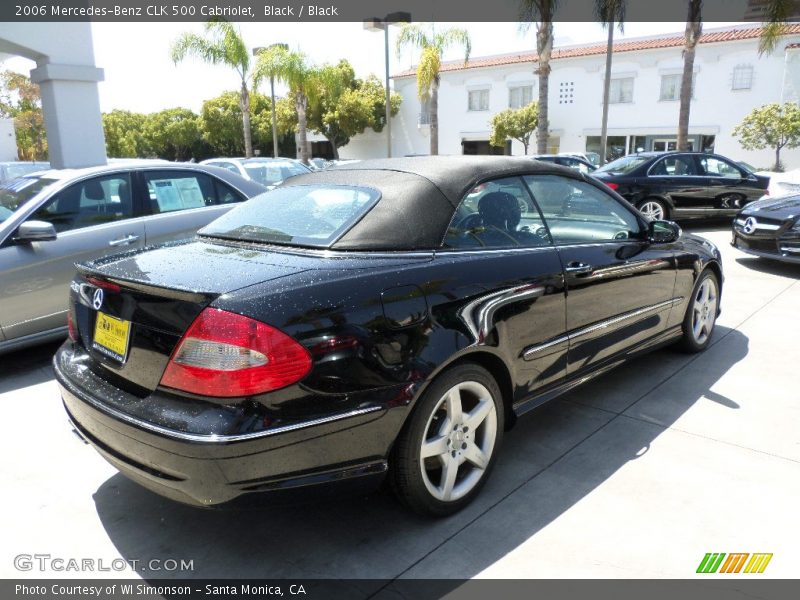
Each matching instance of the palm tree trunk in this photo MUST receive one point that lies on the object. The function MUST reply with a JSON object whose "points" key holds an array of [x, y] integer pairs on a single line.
{"points": [[544, 48], [244, 104], [606, 92], [301, 103], [434, 106], [694, 27]]}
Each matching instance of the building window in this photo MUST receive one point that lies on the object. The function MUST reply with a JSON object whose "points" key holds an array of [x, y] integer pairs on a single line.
{"points": [[520, 96], [478, 100], [742, 77], [671, 87], [566, 92], [621, 91]]}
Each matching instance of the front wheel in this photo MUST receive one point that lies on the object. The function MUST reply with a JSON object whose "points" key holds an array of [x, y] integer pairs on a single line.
{"points": [[701, 314], [445, 453]]}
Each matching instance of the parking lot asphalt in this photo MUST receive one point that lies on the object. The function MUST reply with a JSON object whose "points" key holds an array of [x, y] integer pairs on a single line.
{"points": [[636, 474]]}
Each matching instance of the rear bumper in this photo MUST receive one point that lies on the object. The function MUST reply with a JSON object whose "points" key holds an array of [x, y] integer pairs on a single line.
{"points": [[346, 449]]}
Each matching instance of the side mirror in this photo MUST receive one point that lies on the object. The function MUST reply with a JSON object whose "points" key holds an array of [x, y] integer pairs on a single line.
{"points": [[663, 232], [35, 231]]}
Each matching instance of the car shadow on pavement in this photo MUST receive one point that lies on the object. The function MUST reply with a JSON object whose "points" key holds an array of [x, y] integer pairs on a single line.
{"points": [[27, 367], [552, 459], [771, 267]]}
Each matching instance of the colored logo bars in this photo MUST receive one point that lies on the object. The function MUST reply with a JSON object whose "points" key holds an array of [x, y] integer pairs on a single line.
{"points": [[713, 563]]}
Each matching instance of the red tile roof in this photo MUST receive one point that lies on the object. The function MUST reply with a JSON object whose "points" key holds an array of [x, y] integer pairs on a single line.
{"points": [[729, 35]]}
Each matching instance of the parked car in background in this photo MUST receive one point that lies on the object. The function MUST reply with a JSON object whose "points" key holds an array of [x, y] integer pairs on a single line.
{"points": [[269, 172], [317, 164], [593, 158], [682, 185], [783, 184], [770, 228], [53, 219], [573, 162], [12, 169], [312, 337]]}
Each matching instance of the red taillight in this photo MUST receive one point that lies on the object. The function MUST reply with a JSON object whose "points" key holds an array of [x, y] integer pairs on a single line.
{"points": [[613, 186], [107, 285], [227, 355], [71, 330]]}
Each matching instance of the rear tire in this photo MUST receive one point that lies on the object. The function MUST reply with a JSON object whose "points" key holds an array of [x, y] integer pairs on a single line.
{"points": [[654, 210], [701, 314], [447, 449]]}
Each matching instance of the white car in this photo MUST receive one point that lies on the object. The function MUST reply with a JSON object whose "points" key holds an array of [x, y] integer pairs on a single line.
{"points": [[270, 172]]}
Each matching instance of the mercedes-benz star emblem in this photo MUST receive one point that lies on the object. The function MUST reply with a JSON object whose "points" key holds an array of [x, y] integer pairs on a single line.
{"points": [[97, 299], [749, 225]]}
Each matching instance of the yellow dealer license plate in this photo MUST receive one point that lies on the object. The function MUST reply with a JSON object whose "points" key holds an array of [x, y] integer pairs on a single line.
{"points": [[111, 336]]}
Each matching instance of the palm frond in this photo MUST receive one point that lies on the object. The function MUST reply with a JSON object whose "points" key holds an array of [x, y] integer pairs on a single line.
{"points": [[451, 37], [427, 71], [414, 35], [777, 15], [610, 11]]}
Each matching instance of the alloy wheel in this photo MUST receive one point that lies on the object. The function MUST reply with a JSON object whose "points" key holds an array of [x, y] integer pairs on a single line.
{"points": [[704, 310], [459, 440], [652, 210]]}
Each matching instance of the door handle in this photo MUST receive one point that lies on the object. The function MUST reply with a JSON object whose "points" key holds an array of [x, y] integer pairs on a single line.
{"points": [[128, 239], [579, 268]]}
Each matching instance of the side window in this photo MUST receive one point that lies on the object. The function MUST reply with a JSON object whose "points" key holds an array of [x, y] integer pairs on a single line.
{"points": [[497, 214], [229, 166], [226, 194], [90, 202], [577, 212], [179, 190], [715, 167], [674, 166]]}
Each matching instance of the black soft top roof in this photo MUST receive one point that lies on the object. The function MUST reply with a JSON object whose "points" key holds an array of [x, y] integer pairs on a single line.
{"points": [[418, 195]]}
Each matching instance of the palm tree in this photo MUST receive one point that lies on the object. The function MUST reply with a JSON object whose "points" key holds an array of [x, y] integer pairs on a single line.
{"points": [[777, 14], [222, 44], [541, 12], [300, 76], [609, 12], [432, 44], [694, 27]]}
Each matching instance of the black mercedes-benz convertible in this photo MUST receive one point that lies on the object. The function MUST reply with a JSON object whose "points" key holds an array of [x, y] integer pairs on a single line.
{"points": [[384, 318]]}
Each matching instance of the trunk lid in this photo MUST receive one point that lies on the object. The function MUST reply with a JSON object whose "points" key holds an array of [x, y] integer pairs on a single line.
{"points": [[131, 310]]}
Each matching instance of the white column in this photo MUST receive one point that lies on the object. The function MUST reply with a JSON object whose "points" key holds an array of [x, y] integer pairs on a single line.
{"points": [[71, 107]]}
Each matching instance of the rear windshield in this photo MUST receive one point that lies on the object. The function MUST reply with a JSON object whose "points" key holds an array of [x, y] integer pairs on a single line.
{"points": [[299, 215], [15, 193], [626, 164]]}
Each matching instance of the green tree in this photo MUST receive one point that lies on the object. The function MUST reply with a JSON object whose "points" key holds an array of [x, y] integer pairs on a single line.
{"points": [[173, 133], [771, 126], [346, 106], [124, 133], [300, 76], [220, 124], [518, 124], [609, 12], [222, 44], [432, 45], [541, 12], [21, 101]]}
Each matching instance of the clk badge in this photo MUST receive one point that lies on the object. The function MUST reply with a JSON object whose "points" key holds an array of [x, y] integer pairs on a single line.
{"points": [[749, 226], [97, 299]]}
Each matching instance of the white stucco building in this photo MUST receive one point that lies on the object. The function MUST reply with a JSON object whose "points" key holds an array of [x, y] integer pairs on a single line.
{"points": [[730, 80]]}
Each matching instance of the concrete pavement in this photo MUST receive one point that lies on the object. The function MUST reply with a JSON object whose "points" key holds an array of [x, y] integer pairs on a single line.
{"points": [[636, 474]]}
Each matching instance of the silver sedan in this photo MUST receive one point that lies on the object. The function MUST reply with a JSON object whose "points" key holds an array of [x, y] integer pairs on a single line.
{"points": [[52, 219]]}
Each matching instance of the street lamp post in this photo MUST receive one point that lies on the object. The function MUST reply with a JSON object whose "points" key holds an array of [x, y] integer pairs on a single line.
{"points": [[376, 24], [256, 51]]}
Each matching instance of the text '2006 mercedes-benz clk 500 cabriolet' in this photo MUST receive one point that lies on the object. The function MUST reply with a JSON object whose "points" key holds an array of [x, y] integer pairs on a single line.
{"points": [[386, 318]]}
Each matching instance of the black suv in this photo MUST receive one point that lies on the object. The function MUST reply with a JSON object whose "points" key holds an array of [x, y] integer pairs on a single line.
{"points": [[675, 185]]}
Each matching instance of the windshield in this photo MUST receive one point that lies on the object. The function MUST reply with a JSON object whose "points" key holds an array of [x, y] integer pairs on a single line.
{"points": [[626, 164], [301, 215], [15, 193], [273, 172]]}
